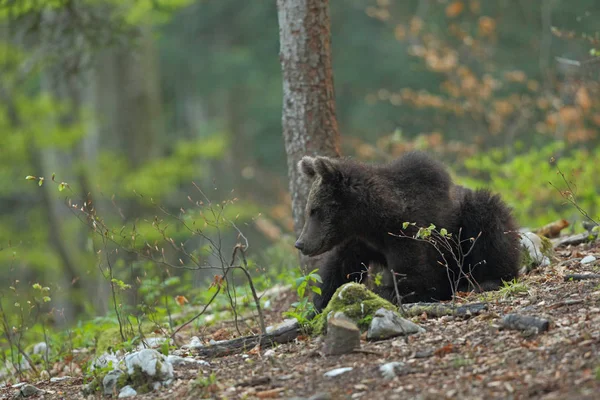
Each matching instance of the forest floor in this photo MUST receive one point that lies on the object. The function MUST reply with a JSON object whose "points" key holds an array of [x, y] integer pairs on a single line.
{"points": [[454, 358]]}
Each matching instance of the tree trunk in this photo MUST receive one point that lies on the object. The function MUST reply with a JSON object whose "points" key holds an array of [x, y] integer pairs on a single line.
{"points": [[309, 122]]}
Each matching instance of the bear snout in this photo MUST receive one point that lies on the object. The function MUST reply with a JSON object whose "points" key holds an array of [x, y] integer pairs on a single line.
{"points": [[299, 245]]}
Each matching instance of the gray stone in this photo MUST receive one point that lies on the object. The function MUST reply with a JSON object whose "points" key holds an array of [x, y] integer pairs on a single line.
{"points": [[343, 336], [177, 361], [59, 378], [387, 324], [40, 348], [588, 259], [127, 391], [109, 383], [287, 324], [30, 390], [392, 369]]}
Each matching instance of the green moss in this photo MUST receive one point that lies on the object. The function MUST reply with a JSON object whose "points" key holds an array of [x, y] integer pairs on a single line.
{"points": [[108, 338], [356, 302]]}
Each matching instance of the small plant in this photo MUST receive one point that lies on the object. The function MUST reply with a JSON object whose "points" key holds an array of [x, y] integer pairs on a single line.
{"points": [[461, 362], [513, 288], [303, 309], [207, 385]]}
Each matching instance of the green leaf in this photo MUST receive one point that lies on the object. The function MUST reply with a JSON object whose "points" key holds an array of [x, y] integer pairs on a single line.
{"points": [[46, 299], [405, 225], [316, 289], [30, 178], [41, 181]]}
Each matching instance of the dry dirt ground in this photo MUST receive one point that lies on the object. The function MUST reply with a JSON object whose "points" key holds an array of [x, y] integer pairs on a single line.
{"points": [[455, 358]]}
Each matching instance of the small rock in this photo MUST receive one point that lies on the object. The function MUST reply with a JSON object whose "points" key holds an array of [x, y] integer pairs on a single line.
{"points": [[151, 342], [40, 348], [391, 370], [343, 336], [588, 259], [18, 385], [109, 383], [285, 325], [127, 391], [195, 343], [528, 324], [338, 371], [59, 378], [320, 396], [30, 390], [269, 353], [387, 324], [177, 361]]}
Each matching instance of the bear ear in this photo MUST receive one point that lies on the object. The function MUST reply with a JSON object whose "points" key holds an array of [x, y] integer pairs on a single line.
{"points": [[306, 166], [328, 169]]}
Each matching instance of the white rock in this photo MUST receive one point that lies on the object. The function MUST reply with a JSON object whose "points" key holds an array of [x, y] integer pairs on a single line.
{"points": [[388, 370], [588, 259], [337, 371], [151, 342], [151, 362], [127, 391], [104, 360], [269, 353], [387, 324], [286, 324], [533, 244], [40, 348]]}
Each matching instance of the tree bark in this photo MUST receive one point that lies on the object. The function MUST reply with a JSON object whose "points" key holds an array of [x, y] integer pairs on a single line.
{"points": [[309, 121]]}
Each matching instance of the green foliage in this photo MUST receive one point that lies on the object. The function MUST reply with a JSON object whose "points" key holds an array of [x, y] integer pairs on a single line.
{"points": [[159, 177], [304, 308], [531, 184]]}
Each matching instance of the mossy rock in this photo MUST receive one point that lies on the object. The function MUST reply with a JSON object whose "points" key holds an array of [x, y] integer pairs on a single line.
{"points": [[356, 302]]}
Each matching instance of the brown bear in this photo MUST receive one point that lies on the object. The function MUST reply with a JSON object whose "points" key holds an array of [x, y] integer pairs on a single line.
{"points": [[356, 215]]}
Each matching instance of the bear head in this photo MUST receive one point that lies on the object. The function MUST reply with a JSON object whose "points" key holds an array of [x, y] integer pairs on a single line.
{"points": [[326, 213]]}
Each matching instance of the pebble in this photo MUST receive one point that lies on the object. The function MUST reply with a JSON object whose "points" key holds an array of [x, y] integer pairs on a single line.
{"points": [[338, 371], [588, 259]]}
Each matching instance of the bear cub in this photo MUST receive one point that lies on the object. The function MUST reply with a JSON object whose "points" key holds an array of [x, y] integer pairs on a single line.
{"points": [[354, 218]]}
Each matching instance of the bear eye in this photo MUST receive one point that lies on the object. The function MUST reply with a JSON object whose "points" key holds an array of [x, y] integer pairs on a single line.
{"points": [[312, 212]]}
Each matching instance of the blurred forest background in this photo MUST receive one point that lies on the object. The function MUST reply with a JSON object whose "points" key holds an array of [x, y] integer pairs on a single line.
{"points": [[149, 111]]}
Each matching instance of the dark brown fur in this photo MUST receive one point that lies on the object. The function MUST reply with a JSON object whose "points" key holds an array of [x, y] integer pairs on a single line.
{"points": [[355, 210]]}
